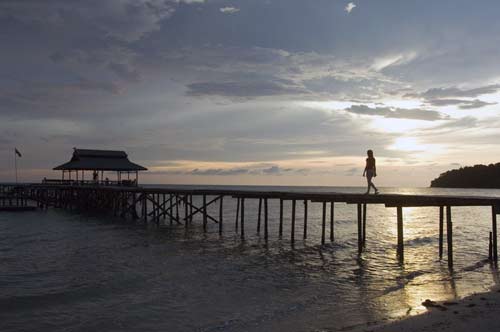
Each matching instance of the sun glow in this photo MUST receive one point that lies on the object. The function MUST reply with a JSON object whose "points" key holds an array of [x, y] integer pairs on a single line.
{"points": [[412, 144]]}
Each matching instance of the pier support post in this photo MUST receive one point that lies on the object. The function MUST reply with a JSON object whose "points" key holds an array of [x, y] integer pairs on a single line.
{"points": [[266, 217], [164, 206], [449, 239], [323, 224], [145, 208], [305, 219], [221, 213], [364, 224], [177, 201], [441, 219], [294, 202], [186, 211], [237, 215], [494, 231], [205, 213], [171, 208], [281, 218], [360, 228], [332, 219], [191, 208], [242, 218], [259, 217], [400, 251]]}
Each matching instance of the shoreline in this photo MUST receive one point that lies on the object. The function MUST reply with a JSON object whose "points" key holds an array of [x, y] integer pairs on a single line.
{"points": [[477, 312]]}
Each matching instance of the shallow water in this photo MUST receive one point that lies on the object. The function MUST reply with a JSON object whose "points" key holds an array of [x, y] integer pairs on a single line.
{"points": [[61, 271]]}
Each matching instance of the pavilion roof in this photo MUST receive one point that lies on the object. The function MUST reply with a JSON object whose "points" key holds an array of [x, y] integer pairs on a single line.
{"points": [[100, 160]]}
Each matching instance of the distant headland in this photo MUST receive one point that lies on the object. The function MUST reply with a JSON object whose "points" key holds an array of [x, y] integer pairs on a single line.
{"points": [[477, 176]]}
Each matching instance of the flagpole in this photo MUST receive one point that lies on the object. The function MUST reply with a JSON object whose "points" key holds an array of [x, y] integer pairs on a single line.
{"points": [[15, 163]]}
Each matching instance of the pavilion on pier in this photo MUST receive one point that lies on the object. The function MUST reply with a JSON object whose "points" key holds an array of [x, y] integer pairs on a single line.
{"points": [[97, 162]]}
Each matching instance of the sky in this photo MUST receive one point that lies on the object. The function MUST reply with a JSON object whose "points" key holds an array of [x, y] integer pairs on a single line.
{"points": [[277, 92]]}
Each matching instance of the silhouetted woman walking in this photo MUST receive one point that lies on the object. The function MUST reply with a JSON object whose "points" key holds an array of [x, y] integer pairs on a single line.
{"points": [[370, 171]]}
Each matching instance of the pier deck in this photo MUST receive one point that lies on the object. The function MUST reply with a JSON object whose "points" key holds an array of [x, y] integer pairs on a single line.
{"points": [[148, 204]]}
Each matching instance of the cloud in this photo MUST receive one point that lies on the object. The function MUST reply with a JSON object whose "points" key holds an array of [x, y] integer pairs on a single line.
{"points": [[249, 170], [127, 20], [450, 92], [125, 72], [229, 10], [243, 89], [461, 103], [462, 123], [396, 113], [349, 7], [219, 171]]}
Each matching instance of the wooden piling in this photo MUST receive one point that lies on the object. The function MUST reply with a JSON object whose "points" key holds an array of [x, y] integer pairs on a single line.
{"points": [[177, 201], [281, 219], [221, 213], [449, 239], [400, 251], [258, 218], [205, 213], [490, 247], [171, 208], [145, 208], [441, 219], [186, 211], [494, 231], [323, 224], [305, 219], [360, 220], [237, 215], [266, 229], [332, 220], [242, 218], [364, 224], [164, 206], [294, 202]]}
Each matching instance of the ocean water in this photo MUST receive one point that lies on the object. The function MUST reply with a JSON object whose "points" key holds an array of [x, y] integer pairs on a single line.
{"points": [[62, 271]]}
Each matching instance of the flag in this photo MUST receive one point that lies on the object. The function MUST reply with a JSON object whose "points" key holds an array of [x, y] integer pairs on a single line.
{"points": [[18, 153]]}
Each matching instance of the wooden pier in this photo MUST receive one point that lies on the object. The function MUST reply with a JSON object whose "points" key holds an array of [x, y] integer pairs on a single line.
{"points": [[155, 205]]}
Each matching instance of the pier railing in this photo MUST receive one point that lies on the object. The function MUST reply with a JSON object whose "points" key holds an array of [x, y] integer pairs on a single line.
{"points": [[121, 183]]}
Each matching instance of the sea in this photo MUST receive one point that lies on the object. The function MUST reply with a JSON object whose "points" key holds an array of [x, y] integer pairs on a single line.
{"points": [[67, 271]]}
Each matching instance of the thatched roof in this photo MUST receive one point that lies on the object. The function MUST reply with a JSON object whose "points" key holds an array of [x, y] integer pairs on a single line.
{"points": [[100, 160]]}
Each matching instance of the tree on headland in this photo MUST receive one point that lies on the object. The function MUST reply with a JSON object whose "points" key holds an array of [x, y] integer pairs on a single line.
{"points": [[477, 176]]}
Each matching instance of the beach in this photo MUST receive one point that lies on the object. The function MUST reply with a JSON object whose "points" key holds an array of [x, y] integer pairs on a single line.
{"points": [[478, 312]]}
